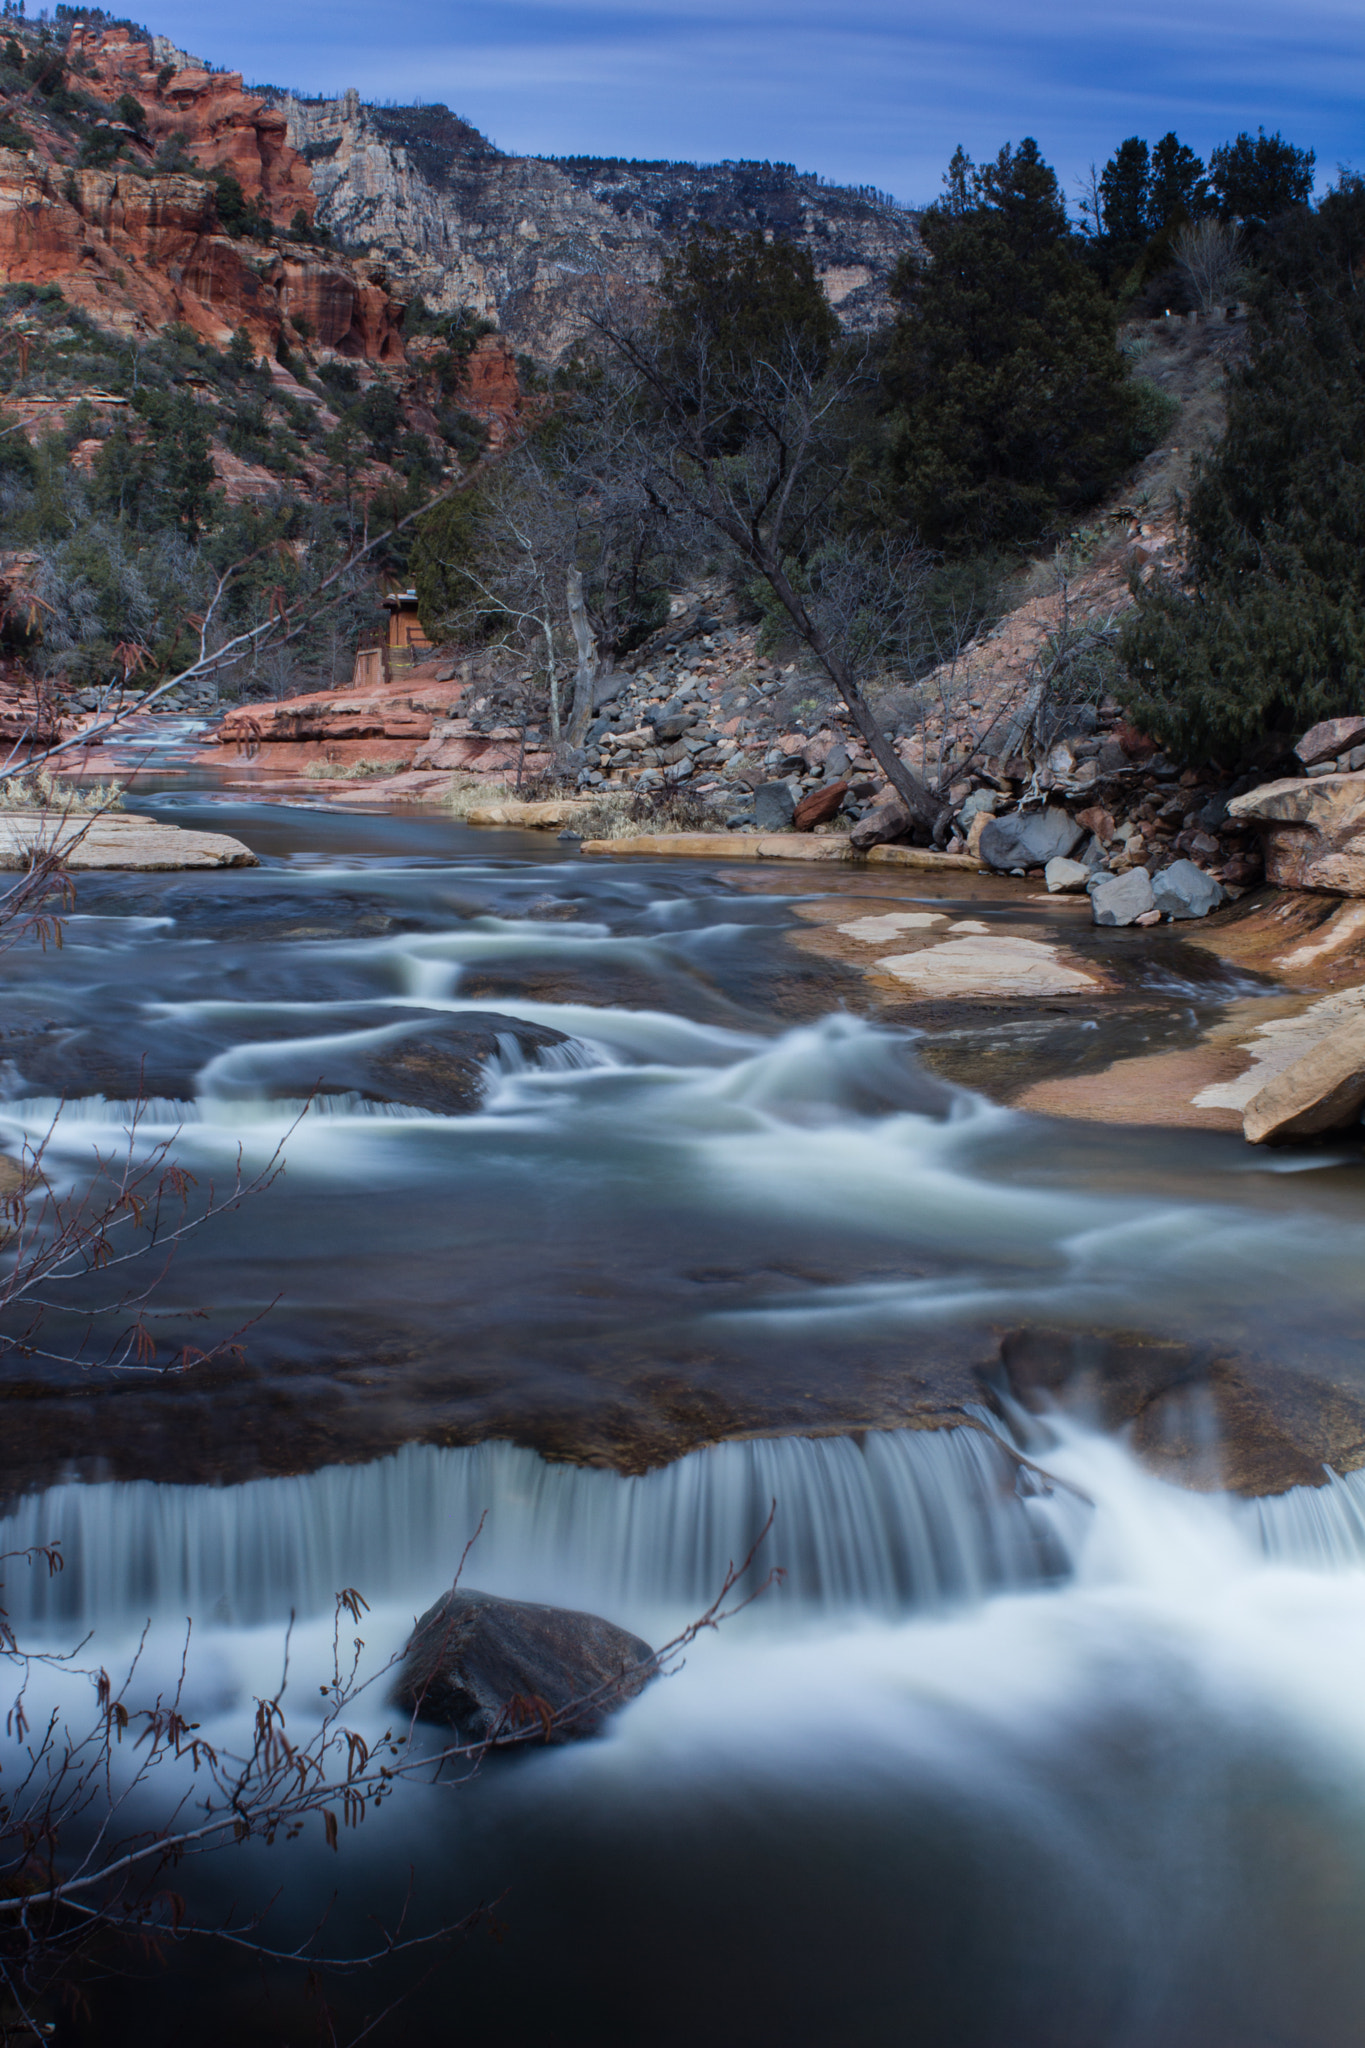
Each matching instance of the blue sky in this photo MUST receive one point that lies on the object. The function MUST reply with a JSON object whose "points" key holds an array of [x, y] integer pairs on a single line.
{"points": [[865, 91]]}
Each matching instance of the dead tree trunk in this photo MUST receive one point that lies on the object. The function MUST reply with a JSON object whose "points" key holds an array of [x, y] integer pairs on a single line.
{"points": [[589, 666]]}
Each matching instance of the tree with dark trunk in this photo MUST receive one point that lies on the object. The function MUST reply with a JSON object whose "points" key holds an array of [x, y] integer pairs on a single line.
{"points": [[739, 410]]}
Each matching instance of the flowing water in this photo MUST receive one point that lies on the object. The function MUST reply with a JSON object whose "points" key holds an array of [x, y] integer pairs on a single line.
{"points": [[1028, 1747]]}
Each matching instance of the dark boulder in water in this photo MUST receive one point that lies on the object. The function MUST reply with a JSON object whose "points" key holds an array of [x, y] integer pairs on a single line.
{"points": [[492, 1669], [444, 1066], [440, 1062]]}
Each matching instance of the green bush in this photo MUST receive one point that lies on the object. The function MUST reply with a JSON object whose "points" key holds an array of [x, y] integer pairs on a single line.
{"points": [[1012, 409], [1268, 633]]}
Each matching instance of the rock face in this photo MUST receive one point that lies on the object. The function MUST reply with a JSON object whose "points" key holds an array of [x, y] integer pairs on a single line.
{"points": [[137, 249], [409, 720], [489, 1668], [1029, 839], [1183, 890], [1323, 1090], [529, 243], [1122, 899], [1312, 830]]}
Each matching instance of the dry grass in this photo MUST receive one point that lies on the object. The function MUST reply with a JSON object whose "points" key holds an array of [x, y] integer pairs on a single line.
{"points": [[467, 792], [42, 791], [624, 814], [349, 771]]}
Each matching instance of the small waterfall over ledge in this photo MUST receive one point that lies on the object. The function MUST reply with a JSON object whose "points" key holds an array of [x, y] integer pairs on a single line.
{"points": [[888, 1522], [892, 1520]]}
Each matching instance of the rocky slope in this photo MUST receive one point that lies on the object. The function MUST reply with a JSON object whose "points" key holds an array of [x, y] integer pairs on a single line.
{"points": [[529, 242]]}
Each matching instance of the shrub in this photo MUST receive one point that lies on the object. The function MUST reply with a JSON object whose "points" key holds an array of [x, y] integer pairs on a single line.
{"points": [[1013, 409], [1267, 635]]}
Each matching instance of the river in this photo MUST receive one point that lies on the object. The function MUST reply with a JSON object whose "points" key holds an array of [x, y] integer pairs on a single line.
{"points": [[1003, 1760]]}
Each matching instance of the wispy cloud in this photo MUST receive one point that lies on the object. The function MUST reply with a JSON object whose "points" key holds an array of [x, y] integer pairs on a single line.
{"points": [[881, 95]]}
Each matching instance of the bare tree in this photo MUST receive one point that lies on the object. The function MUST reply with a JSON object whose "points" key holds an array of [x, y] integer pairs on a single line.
{"points": [[564, 557], [1208, 256], [755, 452]]}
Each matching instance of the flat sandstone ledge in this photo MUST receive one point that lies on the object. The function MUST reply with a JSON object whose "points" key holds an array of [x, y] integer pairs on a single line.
{"points": [[778, 846], [118, 839]]}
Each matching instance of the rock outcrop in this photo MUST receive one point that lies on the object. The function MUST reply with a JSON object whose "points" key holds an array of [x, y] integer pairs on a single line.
{"points": [[498, 1670], [1322, 1090], [119, 839], [529, 242], [1312, 829], [137, 246]]}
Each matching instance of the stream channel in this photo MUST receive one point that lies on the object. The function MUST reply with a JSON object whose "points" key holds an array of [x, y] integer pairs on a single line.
{"points": [[1000, 1761]]}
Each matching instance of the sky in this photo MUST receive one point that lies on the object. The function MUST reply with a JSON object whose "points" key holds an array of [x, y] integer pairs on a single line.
{"points": [[875, 92]]}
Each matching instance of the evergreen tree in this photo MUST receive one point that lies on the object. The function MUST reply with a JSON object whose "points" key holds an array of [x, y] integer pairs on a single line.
{"points": [[1125, 193], [1011, 404], [1268, 634], [187, 465], [1260, 180], [1179, 189]]}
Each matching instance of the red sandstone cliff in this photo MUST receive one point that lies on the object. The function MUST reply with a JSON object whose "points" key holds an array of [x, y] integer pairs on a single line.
{"points": [[136, 248]]}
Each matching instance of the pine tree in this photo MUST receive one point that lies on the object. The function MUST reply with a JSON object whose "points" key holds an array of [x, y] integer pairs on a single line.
{"points": [[1262, 179], [1125, 196], [1011, 407]]}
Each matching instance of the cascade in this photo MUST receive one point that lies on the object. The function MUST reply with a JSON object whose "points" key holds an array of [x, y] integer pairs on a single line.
{"points": [[893, 1519]]}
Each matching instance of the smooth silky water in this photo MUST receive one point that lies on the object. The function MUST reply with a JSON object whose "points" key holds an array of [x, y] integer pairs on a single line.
{"points": [[1007, 1758]]}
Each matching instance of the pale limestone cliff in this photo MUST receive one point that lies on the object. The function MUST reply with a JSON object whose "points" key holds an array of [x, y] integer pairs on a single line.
{"points": [[528, 242]]}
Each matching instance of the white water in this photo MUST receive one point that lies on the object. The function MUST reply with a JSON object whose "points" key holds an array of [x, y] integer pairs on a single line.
{"points": [[813, 1127]]}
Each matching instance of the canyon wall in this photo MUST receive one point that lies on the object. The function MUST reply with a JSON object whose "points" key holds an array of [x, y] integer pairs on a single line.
{"points": [[138, 245], [529, 242]]}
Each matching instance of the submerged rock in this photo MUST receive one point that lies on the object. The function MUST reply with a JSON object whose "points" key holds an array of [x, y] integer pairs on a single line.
{"points": [[489, 1667], [438, 1063]]}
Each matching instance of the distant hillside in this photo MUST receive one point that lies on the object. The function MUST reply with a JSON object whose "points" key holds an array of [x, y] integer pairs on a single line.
{"points": [[525, 241]]}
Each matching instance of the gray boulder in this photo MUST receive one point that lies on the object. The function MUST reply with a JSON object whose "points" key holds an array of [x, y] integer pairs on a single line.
{"points": [[979, 800], [1122, 899], [889, 821], [670, 722], [774, 806], [489, 1668], [1030, 839], [1065, 877], [1184, 890]]}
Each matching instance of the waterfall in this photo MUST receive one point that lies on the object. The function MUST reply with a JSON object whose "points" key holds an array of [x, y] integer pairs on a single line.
{"points": [[887, 1521]]}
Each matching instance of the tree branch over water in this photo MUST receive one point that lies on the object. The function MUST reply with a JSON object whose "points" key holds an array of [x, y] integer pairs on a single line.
{"points": [[80, 1861]]}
